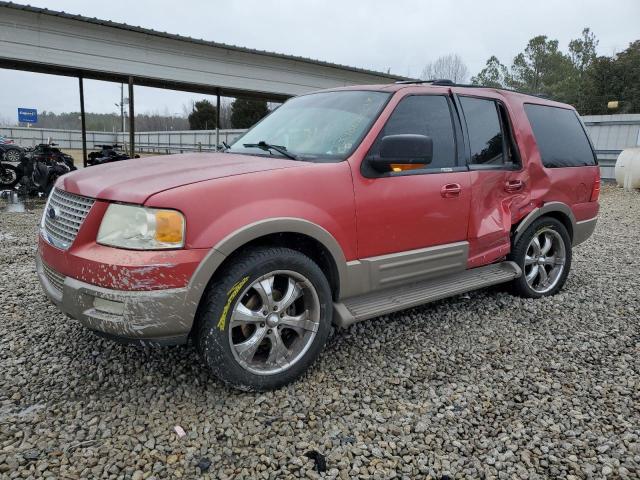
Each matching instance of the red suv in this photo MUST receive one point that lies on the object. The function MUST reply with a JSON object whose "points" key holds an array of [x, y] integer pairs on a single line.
{"points": [[340, 206]]}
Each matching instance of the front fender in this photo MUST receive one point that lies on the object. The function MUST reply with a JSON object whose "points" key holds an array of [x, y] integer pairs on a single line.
{"points": [[235, 240]]}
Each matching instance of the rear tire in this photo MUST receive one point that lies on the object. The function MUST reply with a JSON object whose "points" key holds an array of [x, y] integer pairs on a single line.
{"points": [[264, 319], [12, 155], [543, 253], [8, 176]]}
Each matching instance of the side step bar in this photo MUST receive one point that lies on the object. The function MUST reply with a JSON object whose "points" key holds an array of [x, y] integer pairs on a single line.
{"points": [[380, 302]]}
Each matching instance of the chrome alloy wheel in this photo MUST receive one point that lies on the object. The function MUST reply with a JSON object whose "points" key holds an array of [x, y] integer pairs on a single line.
{"points": [[275, 322], [544, 260]]}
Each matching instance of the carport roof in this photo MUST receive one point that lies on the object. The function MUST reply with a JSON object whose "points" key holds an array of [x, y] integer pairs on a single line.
{"points": [[198, 41]]}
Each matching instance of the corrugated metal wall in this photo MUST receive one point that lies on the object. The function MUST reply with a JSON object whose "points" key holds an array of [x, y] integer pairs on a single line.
{"points": [[610, 135]]}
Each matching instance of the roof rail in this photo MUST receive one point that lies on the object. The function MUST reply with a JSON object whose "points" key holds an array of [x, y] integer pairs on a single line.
{"points": [[450, 83], [438, 81]]}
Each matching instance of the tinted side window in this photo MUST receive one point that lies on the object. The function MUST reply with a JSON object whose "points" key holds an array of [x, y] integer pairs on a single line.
{"points": [[485, 132], [424, 115], [561, 140]]}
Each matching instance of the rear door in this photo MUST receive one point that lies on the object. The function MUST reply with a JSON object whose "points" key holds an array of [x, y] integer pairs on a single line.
{"points": [[498, 183], [412, 222]]}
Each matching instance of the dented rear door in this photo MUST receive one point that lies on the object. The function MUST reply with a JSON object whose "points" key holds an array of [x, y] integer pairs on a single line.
{"points": [[499, 183]]}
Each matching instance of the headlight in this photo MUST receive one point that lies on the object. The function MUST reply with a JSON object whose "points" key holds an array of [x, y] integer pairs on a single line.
{"points": [[140, 228]]}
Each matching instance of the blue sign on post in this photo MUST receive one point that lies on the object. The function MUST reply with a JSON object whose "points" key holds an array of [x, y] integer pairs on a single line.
{"points": [[27, 115]]}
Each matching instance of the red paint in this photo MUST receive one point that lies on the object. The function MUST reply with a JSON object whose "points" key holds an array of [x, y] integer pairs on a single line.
{"points": [[116, 268], [222, 193], [136, 180]]}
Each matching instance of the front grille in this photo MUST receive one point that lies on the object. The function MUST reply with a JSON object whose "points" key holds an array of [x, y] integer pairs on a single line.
{"points": [[56, 279], [63, 217]]}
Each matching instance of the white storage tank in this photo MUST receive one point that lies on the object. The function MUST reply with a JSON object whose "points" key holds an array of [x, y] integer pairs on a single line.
{"points": [[627, 169]]}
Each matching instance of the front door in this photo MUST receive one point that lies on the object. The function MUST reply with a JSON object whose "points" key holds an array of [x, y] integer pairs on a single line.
{"points": [[412, 222]]}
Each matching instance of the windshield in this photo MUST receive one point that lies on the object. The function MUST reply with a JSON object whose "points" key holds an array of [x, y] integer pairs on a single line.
{"points": [[320, 126]]}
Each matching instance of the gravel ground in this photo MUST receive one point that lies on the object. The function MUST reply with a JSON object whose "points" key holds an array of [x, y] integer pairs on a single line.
{"points": [[479, 386]]}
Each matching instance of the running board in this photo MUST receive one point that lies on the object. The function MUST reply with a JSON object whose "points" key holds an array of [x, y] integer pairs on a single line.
{"points": [[380, 302]]}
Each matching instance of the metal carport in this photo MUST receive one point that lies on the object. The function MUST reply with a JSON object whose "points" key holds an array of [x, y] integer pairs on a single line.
{"points": [[46, 41]]}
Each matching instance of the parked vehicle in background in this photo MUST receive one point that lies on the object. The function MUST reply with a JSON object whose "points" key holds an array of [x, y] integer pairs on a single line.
{"points": [[10, 150], [39, 169], [49, 152], [107, 154], [340, 206]]}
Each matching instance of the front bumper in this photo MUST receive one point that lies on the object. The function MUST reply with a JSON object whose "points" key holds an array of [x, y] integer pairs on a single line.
{"points": [[153, 316]]}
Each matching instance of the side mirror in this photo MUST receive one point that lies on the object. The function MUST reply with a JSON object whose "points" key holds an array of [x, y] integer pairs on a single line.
{"points": [[404, 149]]}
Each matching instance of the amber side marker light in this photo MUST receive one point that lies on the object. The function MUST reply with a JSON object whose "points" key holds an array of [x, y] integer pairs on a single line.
{"points": [[169, 226], [595, 191]]}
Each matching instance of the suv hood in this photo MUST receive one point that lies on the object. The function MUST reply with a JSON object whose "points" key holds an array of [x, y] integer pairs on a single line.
{"points": [[135, 180]]}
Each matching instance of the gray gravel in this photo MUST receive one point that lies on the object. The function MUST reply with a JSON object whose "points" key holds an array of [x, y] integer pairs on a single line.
{"points": [[482, 385]]}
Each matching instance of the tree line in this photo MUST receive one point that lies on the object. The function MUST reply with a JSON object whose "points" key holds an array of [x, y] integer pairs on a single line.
{"points": [[111, 122], [242, 113], [578, 76], [200, 115]]}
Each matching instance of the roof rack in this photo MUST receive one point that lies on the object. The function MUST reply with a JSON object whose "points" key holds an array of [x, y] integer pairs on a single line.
{"points": [[439, 81], [451, 83]]}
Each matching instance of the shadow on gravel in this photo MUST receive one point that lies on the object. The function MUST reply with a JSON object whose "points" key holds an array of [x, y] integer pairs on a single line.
{"points": [[104, 365]]}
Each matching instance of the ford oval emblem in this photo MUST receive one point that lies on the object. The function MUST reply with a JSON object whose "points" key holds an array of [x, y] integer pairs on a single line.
{"points": [[52, 213]]}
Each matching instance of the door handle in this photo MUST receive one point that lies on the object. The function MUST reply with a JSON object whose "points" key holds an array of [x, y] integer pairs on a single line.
{"points": [[450, 190], [513, 186]]}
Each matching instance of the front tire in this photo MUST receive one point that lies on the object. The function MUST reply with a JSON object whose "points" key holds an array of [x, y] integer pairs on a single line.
{"points": [[543, 253], [265, 319]]}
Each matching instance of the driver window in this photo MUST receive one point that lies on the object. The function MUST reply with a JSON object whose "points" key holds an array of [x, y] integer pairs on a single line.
{"points": [[424, 115]]}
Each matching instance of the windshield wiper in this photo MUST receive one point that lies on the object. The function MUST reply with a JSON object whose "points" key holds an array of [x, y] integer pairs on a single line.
{"points": [[268, 147]]}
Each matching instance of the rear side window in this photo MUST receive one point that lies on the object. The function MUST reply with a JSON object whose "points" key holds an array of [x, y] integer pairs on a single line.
{"points": [[424, 115], [485, 132], [561, 140]]}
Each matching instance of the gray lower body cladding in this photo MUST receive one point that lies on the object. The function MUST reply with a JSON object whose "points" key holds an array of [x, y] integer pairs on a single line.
{"points": [[583, 230], [156, 316], [370, 305]]}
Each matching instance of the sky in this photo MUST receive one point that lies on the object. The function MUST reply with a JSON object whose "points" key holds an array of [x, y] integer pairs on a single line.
{"points": [[401, 36]]}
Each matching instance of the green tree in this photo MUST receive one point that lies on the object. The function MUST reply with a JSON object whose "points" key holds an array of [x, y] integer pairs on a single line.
{"points": [[582, 53], [598, 87], [627, 72], [202, 116], [494, 74], [578, 77], [247, 112], [613, 78], [541, 68]]}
